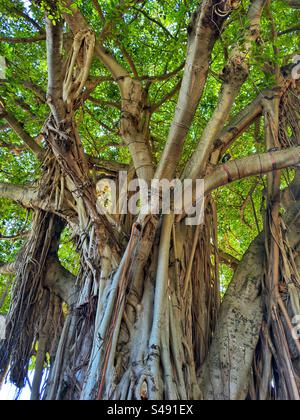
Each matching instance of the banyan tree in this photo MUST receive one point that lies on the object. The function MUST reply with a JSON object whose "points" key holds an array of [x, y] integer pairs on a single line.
{"points": [[106, 305]]}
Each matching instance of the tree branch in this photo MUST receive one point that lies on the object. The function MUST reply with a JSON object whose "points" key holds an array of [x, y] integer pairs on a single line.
{"points": [[99, 10], [133, 102], [25, 16], [236, 170], [162, 77], [12, 146], [153, 20], [29, 40], [290, 30], [22, 104], [19, 130], [106, 165], [105, 126], [228, 260], [25, 195], [4, 127], [155, 107], [235, 74], [55, 61], [92, 83], [8, 269], [203, 33], [60, 281], [14, 237], [77, 22], [29, 197], [37, 90], [259, 164], [110, 104], [128, 59]]}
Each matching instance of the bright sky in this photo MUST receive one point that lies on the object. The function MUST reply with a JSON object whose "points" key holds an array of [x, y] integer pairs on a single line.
{"points": [[8, 392]]}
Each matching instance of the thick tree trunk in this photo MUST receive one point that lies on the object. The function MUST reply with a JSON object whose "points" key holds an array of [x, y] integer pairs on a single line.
{"points": [[151, 328], [145, 331]]}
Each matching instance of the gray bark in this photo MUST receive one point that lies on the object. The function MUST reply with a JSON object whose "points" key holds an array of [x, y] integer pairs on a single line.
{"points": [[226, 372]]}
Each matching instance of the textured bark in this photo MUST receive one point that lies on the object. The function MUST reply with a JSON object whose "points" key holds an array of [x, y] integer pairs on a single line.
{"points": [[19, 130], [135, 118], [234, 74], [226, 372], [144, 318], [28, 40]]}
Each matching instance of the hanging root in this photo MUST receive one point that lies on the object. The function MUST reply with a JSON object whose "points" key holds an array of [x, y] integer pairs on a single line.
{"points": [[31, 305], [78, 66], [276, 363]]}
